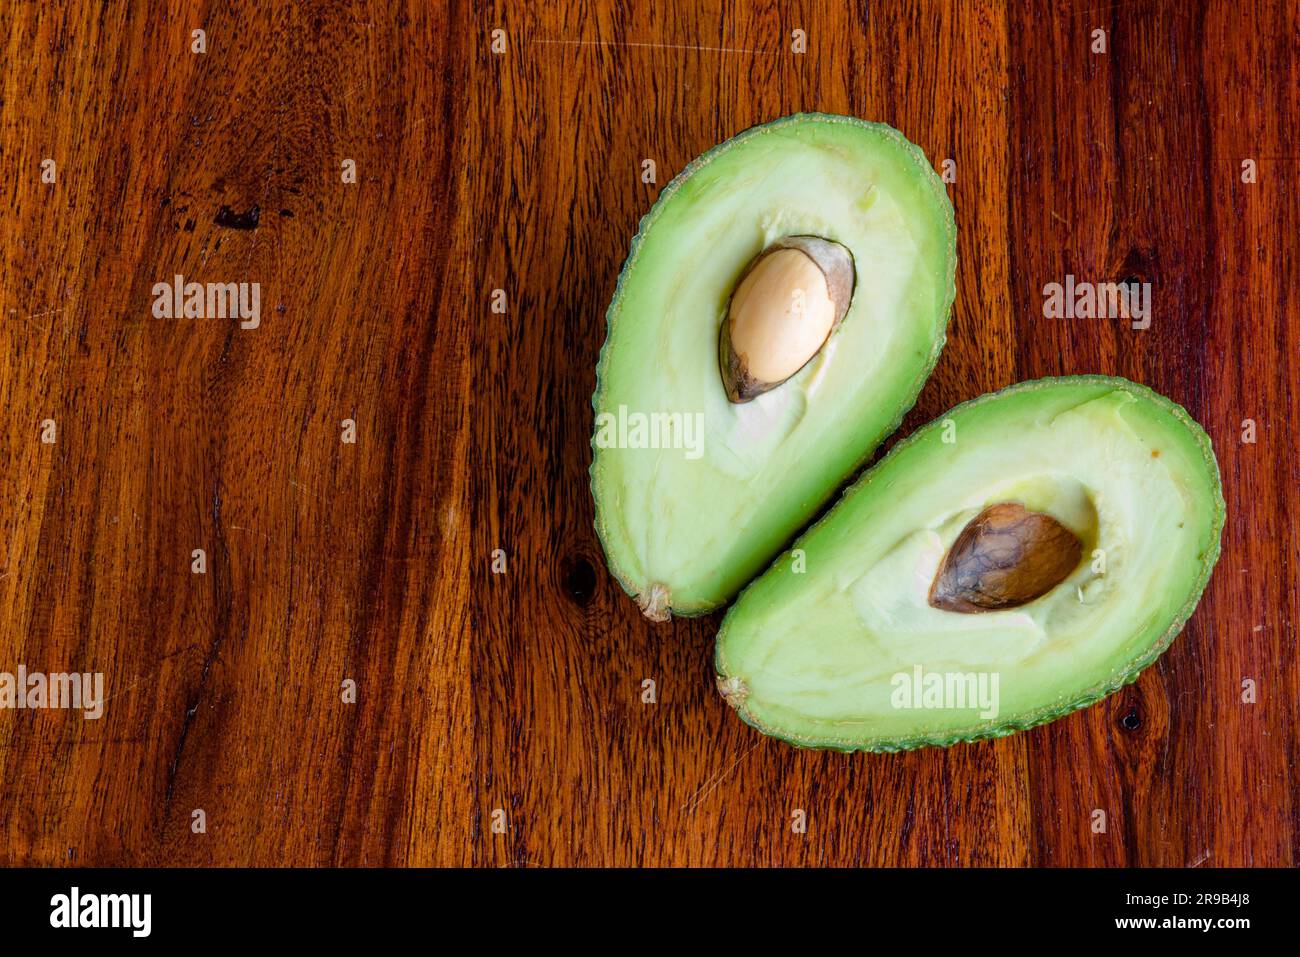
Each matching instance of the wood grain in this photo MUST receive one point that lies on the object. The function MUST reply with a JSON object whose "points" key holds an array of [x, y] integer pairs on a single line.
{"points": [[517, 698]]}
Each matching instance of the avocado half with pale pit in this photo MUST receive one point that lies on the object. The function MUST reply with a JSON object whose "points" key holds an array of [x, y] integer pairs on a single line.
{"points": [[1021, 557], [782, 305]]}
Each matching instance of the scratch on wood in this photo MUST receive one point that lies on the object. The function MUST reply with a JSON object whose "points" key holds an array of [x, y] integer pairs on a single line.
{"points": [[710, 785], [653, 46]]}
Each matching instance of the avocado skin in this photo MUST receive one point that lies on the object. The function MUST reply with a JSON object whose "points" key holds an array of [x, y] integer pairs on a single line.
{"points": [[648, 220], [1085, 698]]}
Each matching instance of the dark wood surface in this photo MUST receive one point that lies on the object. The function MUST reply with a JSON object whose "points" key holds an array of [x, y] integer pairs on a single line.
{"points": [[520, 171]]}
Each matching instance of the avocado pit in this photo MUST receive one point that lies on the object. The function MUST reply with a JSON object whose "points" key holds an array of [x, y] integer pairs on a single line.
{"points": [[1005, 557], [789, 300]]}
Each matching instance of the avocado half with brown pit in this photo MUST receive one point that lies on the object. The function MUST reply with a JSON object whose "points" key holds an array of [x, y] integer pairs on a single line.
{"points": [[1022, 556], [781, 307]]}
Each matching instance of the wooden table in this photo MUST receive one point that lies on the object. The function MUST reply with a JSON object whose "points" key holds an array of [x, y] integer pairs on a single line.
{"points": [[498, 718]]}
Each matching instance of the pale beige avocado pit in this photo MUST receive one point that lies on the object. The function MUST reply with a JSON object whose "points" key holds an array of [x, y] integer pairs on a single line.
{"points": [[785, 307]]}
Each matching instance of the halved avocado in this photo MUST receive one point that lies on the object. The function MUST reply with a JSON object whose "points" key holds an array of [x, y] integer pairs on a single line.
{"points": [[696, 490], [1019, 558]]}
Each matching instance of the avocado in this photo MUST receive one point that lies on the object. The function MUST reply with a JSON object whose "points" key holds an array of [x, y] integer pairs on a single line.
{"points": [[1021, 557], [782, 304]]}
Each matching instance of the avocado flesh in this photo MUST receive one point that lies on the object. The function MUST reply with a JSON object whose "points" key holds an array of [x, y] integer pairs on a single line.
{"points": [[692, 526], [813, 657]]}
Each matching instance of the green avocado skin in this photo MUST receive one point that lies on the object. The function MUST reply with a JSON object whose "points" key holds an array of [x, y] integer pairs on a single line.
{"points": [[940, 196], [1085, 698]]}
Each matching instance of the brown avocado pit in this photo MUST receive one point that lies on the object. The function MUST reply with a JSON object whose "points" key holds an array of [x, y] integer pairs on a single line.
{"points": [[789, 300], [1005, 557]]}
